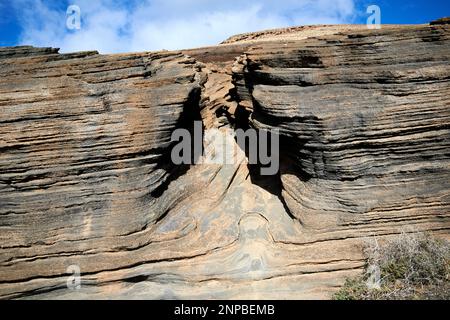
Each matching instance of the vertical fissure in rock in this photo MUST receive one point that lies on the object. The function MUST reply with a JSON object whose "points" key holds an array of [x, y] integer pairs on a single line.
{"points": [[190, 114]]}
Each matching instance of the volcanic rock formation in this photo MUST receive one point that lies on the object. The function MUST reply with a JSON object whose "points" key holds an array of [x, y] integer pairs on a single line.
{"points": [[86, 177]]}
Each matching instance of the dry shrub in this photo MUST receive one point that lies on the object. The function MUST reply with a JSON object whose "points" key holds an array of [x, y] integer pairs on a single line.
{"points": [[409, 266]]}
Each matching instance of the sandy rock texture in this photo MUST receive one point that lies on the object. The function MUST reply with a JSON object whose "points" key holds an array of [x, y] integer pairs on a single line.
{"points": [[86, 177]]}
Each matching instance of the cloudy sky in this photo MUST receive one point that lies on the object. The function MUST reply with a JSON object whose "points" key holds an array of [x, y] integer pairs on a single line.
{"points": [[122, 26]]}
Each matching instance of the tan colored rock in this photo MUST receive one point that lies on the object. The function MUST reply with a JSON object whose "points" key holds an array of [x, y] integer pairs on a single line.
{"points": [[86, 177]]}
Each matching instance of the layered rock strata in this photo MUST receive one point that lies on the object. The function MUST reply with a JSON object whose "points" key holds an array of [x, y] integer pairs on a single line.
{"points": [[86, 177]]}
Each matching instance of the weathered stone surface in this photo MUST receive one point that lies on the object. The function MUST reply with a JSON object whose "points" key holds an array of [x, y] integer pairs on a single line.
{"points": [[84, 155], [86, 177], [445, 20], [366, 123]]}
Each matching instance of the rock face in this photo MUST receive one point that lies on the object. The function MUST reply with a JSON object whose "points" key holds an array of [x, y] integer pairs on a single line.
{"points": [[368, 114], [86, 177]]}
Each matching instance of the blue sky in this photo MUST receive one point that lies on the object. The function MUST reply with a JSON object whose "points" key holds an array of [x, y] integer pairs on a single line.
{"points": [[130, 25]]}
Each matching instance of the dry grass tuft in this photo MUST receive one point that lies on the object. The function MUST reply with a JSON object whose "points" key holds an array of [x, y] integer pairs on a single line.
{"points": [[410, 266]]}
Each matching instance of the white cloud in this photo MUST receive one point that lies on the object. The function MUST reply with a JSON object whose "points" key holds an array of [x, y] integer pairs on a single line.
{"points": [[122, 26]]}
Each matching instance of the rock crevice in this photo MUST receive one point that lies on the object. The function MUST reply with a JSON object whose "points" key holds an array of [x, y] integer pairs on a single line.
{"points": [[86, 177]]}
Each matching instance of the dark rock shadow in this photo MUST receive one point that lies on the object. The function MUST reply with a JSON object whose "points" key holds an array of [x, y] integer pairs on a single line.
{"points": [[190, 114]]}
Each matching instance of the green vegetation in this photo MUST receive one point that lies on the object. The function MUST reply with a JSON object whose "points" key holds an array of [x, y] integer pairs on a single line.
{"points": [[410, 266]]}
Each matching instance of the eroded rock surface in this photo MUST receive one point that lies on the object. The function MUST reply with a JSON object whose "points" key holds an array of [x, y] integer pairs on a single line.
{"points": [[86, 177]]}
